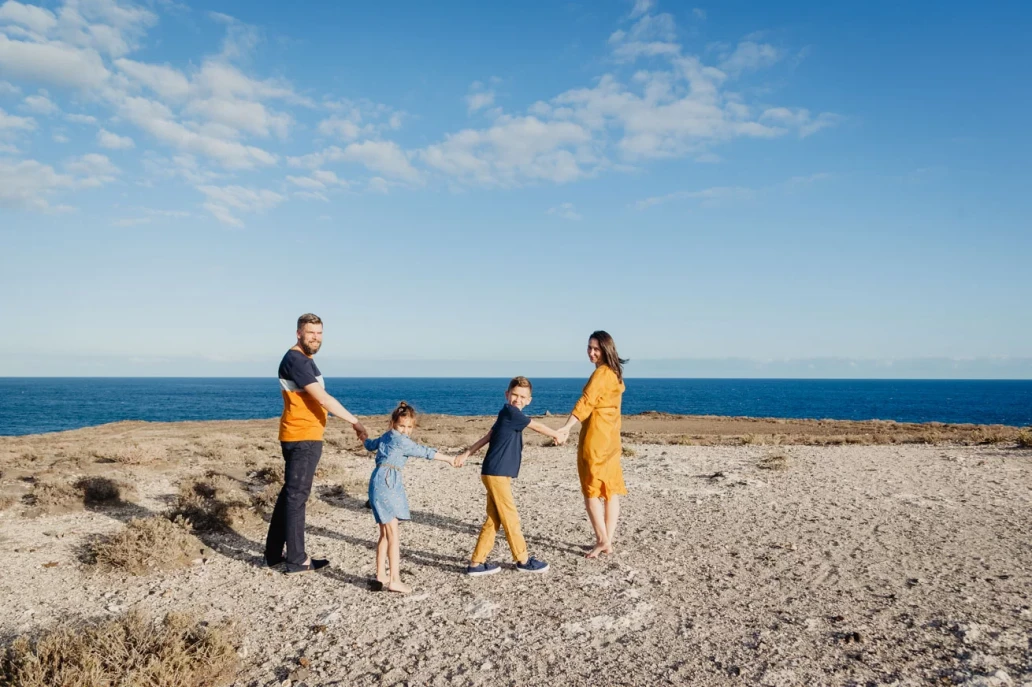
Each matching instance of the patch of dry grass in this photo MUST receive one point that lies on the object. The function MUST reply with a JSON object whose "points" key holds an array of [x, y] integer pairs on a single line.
{"points": [[213, 503], [146, 545], [777, 462], [179, 651], [628, 452], [133, 454], [1024, 438]]}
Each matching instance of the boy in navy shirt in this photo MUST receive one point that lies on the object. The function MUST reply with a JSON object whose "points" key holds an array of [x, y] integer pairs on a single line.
{"points": [[501, 465]]}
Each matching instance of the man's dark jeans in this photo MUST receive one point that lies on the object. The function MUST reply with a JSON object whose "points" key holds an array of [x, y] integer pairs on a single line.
{"points": [[288, 517]]}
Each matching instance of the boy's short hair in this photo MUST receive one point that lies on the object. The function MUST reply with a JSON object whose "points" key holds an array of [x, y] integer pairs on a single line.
{"points": [[308, 318], [520, 381]]}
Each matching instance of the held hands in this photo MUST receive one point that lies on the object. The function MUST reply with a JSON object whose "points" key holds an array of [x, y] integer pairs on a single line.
{"points": [[360, 431], [563, 435], [460, 459]]}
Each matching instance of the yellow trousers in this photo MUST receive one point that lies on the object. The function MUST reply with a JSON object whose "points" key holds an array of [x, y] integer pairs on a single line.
{"points": [[501, 512]]}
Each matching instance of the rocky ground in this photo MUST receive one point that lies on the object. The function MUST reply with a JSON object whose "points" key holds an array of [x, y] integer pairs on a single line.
{"points": [[758, 563]]}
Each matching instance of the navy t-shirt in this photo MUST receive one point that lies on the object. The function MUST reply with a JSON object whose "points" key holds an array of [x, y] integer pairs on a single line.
{"points": [[505, 450]]}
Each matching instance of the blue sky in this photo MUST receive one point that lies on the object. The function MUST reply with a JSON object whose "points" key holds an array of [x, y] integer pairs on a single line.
{"points": [[741, 188]]}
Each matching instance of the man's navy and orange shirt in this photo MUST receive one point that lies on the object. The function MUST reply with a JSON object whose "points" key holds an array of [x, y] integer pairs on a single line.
{"points": [[304, 418]]}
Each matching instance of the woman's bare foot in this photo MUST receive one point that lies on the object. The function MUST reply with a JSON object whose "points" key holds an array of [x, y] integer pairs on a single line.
{"points": [[600, 547], [398, 587]]}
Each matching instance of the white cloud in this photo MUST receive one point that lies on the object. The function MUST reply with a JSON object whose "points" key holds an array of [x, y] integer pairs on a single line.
{"points": [[157, 120], [566, 211], [243, 115], [60, 138], [698, 13], [328, 178], [641, 7], [311, 195], [28, 184], [106, 139], [51, 63], [7, 88], [92, 169], [107, 26], [749, 56], [650, 36], [344, 128], [14, 123], [385, 157], [222, 200], [378, 185], [513, 150], [241, 39], [165, 81], [39, 104], [801, 119], [478, 98], [306, 182], [81, 118], [31, 17]]}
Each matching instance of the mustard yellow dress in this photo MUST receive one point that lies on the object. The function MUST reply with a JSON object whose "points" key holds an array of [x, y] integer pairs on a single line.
{"points": [[598, 451]]}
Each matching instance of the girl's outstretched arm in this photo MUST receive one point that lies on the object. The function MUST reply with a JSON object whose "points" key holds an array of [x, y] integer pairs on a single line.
{"points": [[372, 444]]}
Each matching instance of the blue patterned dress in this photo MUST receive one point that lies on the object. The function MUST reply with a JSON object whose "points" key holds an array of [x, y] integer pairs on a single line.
{"points": [[386, 492]]}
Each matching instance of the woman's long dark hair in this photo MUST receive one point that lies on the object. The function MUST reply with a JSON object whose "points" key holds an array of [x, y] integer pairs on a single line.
{"points": [[610, 358]]}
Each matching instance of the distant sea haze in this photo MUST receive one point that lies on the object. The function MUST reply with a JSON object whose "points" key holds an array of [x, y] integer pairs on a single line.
{"points": [[35, 405]]}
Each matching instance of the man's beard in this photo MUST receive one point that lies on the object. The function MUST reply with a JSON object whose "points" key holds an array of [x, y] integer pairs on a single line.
{"points": [[310, 349]]}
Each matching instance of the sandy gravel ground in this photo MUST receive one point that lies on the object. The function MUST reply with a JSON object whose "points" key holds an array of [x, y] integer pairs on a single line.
{"points": [[850, 565]]}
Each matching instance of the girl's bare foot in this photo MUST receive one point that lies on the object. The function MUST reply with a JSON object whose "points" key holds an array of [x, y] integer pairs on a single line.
{"points": [[599, 548], [398, 587]]}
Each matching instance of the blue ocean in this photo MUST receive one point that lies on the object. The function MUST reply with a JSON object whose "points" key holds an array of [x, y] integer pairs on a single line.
{"points": [[31, 406]]}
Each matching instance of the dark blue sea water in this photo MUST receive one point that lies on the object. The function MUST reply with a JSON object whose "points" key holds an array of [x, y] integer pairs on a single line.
{"points": [[29, 406]]}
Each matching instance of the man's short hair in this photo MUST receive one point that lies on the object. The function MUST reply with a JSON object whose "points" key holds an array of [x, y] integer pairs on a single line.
{"points": [[520, 381], [307, 318]]}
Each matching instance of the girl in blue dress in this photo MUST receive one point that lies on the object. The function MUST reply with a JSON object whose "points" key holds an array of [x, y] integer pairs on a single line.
{"points": [[387, 493]]}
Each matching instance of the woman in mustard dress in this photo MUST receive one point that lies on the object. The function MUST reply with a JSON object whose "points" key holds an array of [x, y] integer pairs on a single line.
{"points": [[599, 450]]}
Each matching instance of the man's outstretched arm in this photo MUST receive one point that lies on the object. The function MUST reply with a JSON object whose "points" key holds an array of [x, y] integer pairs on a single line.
{"points": [[334, 407]]}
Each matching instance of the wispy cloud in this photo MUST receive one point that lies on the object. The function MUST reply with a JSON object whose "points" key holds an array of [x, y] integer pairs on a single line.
{"points": [[722, 195], [566, 211]]}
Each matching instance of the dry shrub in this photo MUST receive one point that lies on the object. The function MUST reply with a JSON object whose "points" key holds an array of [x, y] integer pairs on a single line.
{"points": [[778, 462], [146, 545], [264, 501], [1024, 438], [53, 496], [750, 439], [627, 452], [7, 501], [102, 491], [212, 504], [179, 651], [133, 454], [270, 474], [985, 435]]}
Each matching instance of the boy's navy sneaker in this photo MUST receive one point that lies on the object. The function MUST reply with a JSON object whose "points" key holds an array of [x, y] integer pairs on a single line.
{"points": [[532, 565], [315, 564], [482, 569]]}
